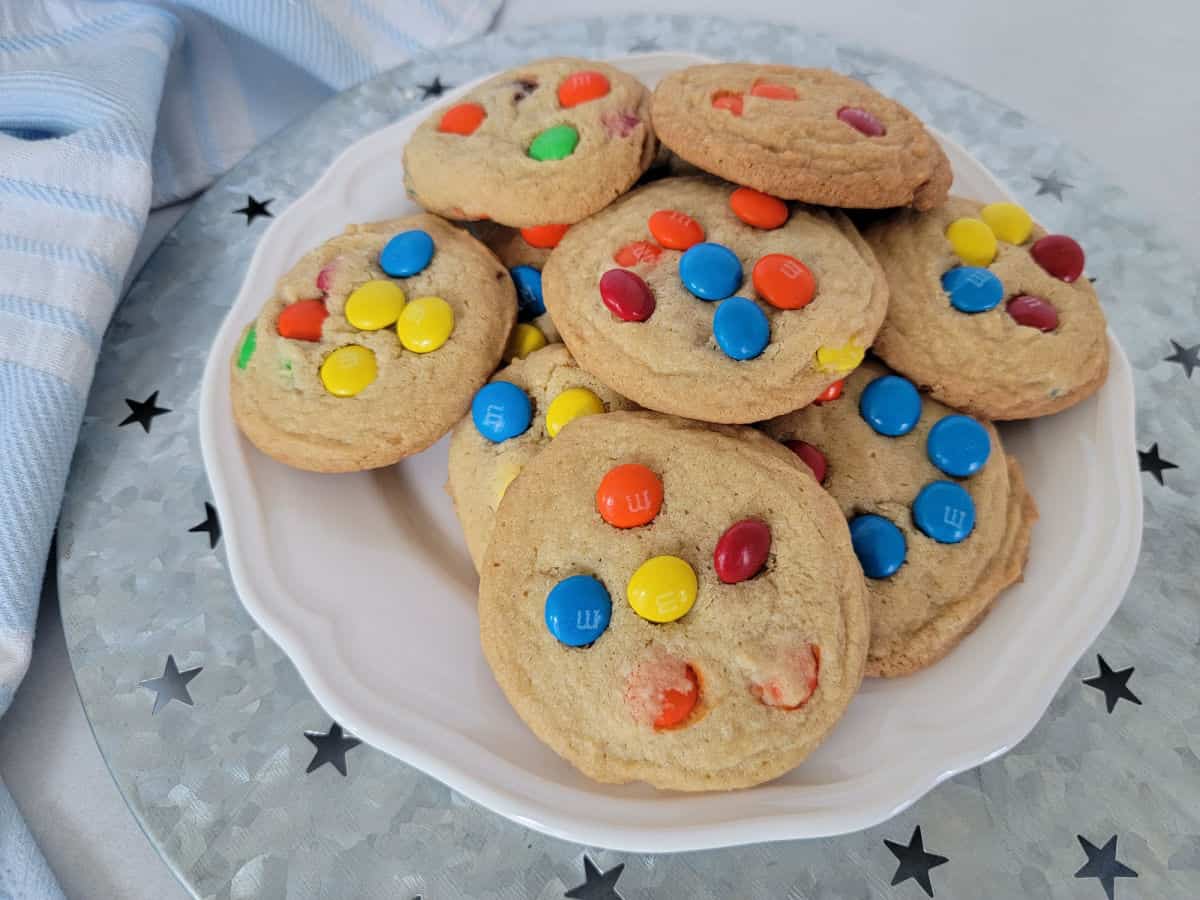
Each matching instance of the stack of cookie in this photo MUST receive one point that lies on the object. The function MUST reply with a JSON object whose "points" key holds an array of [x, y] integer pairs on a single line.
{"points": [[699, 510]]}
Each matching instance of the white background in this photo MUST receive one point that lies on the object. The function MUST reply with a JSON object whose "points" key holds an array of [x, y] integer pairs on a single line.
{"points": [[1119, 81]]}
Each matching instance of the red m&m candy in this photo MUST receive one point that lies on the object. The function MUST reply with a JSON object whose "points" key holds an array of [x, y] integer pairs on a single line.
{"points": [[325, 276], [1033, 312], [728, 100], [1059, 255], [462, 119], [629, 495], [742, 550], [861, 121], [770, 91], [544, 236], [580, 87], [302, 320], [675, 230], [637, 252], [812, 457], [626, 295], [757, 209]]}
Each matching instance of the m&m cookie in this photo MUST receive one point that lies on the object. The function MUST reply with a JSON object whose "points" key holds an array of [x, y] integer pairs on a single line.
{"points": [[698, 298], [989, 312], [674, 603], [372, 346], [512, 418], [939, 515], [801, 134], [524, 252], [545, 144]]}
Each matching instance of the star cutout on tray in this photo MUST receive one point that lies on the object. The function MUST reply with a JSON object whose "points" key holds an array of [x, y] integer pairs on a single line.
{"points": [[1150, 461], [915, 863], [210, 526], [597, 885], [1113, 684], [255, 208], [171, 685], [435, 88], [1053, 185], [1188, 357], [1103, 865], [332, 748], [143, 412], [643, 45]]}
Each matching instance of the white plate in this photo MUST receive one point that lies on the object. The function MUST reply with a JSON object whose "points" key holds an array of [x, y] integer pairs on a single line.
{"points": [[365, 582]]}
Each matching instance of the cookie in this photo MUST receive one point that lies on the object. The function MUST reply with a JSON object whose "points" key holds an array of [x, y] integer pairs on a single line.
{"points": [[372, 345], [524, 252], [540, 394], [802, 134], [552, 141], [670, 602], [988, 312], [695, 297], [939, 512]]}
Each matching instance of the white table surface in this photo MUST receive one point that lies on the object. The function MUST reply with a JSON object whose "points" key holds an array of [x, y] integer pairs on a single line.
{"points": [[1119, 81]]}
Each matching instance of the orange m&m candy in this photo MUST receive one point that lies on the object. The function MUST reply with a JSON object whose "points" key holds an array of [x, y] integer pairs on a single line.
{"points": [[302, 320], [629, 495], [757, 209], [580, 87], [831, 393], [784, 281], [792, 680], [544, 236], [462, 119], [637, 252], [662, 691], [675, 230], [770, 91], [730, 100]]}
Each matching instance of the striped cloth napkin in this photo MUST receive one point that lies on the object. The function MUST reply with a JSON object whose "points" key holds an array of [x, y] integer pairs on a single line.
{"points": [[106, 110]]}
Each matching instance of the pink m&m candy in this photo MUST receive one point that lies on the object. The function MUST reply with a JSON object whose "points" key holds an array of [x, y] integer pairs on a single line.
{"points": [[626, 295], [742, 550], [861, 121], [1033, 312], [325, 276], [813, 458], [1059, 255]]}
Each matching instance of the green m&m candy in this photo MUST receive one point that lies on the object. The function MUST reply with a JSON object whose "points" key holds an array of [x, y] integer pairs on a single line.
{"points": [[557, 142]]}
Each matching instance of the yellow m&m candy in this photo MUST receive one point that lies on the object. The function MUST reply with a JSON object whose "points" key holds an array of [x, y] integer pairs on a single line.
{"points": [[662, 589], [973, 241], [425, 324], [1008, 222], [374, 305], [348, 370], [571, 404], [506, 473], [524, 339], [840, 360]]}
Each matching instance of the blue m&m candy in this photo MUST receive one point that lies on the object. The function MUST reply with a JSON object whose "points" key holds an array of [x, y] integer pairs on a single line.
{"points": [[407, 253], [710, 271], [944, 511], [578, 609], [890, 405], [500, 411], [878, 544], [972, 289], [528, 281], [741, 328], [958, 445]]}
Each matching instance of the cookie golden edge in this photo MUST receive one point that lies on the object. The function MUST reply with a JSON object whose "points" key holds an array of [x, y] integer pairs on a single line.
{"points": [[747, 772], [688, 140], [933, 641]]}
